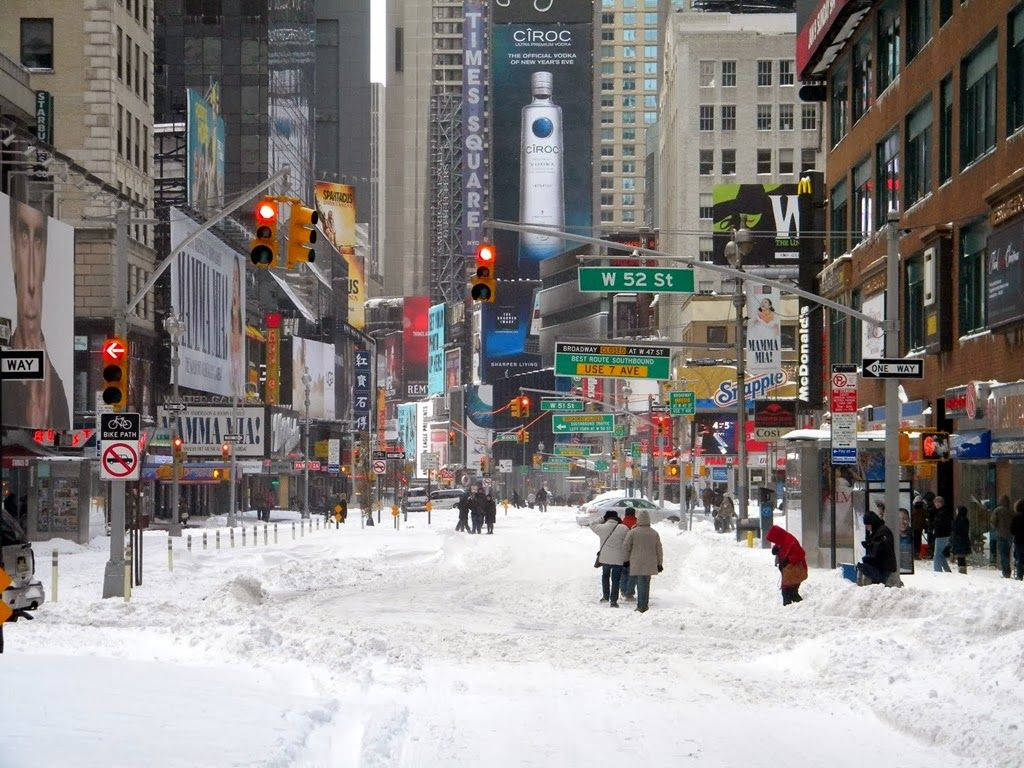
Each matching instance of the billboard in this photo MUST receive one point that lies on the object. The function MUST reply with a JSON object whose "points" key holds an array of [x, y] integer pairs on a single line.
{"points": [[1006, 274], [318, 359], [407, 427], [764, 329], [361, 390], [772, 214], [453, 369], [203, 428], [414, 344], [389, 361], [208, 293], [37, 294], [336, 205], [435, 350], [474, 154], [204, 166], [541, 102], [479, 423]]}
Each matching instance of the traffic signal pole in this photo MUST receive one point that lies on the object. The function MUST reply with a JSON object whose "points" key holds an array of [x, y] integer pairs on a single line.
{"points": [[892, 400]]}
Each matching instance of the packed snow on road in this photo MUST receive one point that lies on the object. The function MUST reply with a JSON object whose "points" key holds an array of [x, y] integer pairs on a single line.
{"points": [[427, 647]]}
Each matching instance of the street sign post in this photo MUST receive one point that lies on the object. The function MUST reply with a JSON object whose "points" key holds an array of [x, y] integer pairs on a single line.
{"points": [[431, 461], [175, 407], [590, 422], [891, 368], [641, 279], [682, 403], [555, 466], [22, 365], [505, 466], [557, 404], [843, 405], [612, 360]]}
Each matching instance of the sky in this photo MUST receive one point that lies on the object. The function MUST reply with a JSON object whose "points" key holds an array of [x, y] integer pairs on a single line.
{"points": [[378, 48]]}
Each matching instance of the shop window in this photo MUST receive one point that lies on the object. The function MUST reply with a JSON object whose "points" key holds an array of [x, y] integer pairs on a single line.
{"points": [[918, 153], [978, 102], [973, 283]]}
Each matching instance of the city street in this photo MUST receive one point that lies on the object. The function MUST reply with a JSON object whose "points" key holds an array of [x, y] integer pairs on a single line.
{"points": [[428, 647]]}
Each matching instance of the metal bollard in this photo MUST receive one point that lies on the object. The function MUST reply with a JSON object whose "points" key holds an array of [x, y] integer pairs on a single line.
{"points": [[232, 538], [217, 537], [337, 524], [750, 539], [318, 523], [293, 531], [204, 541], [170, 554], [53, 581], [255, 536], [275, 533], [265, 534], [188, 543], [243, 535], [128, 571], [302, 528]]}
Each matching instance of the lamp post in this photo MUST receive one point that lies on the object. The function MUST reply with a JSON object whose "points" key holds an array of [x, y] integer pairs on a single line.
{"points": [[175, 328], [306, 381], [741, 245]]}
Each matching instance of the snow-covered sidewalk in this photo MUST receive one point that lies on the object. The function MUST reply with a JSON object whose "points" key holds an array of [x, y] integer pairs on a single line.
{"points": [[376, 647]]}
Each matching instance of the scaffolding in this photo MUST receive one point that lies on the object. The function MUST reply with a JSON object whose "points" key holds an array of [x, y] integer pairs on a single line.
{"points": [[447, 271]]}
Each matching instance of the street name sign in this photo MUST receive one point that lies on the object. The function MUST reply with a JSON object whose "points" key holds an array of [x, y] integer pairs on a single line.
{"points": [[22, 365], [233, 437], [557, 404], [590, 422], [578, 451], [642, 279], [617, 361], [175, 407], [506, 437], [601, 465], [620, 430], [892, 368]]}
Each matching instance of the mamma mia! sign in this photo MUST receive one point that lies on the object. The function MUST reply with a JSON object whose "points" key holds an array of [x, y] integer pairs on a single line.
{"points": [[203, 428]]}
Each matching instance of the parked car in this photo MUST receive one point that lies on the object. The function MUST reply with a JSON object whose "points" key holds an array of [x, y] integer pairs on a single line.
{"points": [[415, 500], [447, 498], [594, 511]]}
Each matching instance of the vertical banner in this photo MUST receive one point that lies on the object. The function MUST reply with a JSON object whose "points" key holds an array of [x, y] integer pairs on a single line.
{"points": [[414, 344], [204, 165], [764, 330], [453, 369], [407, 428], [474, 90], [435, 350], [333, 455], [843, 405], [389, 356], [272, 394], [317, 358], [810, 371], [336, 205], [361, 394]]}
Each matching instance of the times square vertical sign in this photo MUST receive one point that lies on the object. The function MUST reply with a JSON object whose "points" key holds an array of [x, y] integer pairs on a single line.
{"points": [[474, 28]]}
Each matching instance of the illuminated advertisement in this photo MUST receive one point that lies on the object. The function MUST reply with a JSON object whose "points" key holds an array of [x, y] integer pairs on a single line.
{"points": [[336, 205], [772, 214], [204, 164], [506, 343], [414, 344], [317, 359], [474, 152], [435, 350], [453, 368]]}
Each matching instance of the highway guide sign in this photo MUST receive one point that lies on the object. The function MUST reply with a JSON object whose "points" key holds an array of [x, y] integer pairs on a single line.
{"points": [[589, 422], [643, 279], [119, 446], [892, 368], [616, 361], [682, 403]]}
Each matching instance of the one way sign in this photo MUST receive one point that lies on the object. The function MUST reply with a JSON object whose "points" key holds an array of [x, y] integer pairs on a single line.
{"points": [[22, 364], [891, 368]]}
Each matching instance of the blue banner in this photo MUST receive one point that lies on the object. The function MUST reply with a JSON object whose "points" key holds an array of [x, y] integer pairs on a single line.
{"points": [[435, 350], [362, 398]]}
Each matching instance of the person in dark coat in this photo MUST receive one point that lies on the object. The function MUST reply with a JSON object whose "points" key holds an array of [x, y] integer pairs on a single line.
{"points": [[542, 498], [517, 500], [477, 508], [960, 543], [791, 560], [464, 506], [490, 512], [917, 523], [942, 529], [1017, 531], [878, 565]]}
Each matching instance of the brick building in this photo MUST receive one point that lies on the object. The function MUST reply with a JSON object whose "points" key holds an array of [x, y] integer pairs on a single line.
{"points": [[925, 115]]}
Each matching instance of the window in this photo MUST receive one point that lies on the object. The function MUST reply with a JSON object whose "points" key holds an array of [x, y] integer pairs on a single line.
{"points": [[946, 129], [728, 74], [650, 51], [888, 43], [707, 162], [138, 142], [838, 205], [808, 159], [836, 337], [785, 117], [706, 205], [607, 167], [606, 216], [399, 44], [607, 134], [788, 336], [863, 92], [1015, 72], [650, 35], [650, 83], [785, 161], [650, 102], [120, 63], [764, 72], [808, 117], [145, 14], [607, 151], [607, 68], [764, 117], [628, 84], [887, 176], [629, 117], [608, 199], [764, 161], [919, 26], [128, 61], [120, 130], [787, 72], [629, 166], [945, 11], [628, 184], [607, 85], [138, 70], [650, 67], [650, 118], [145, 77], [728, 162], [718, 334], [707, 117], [705, 248], [607, 51], [607, 18], [607, 118], [607, 182], [629, 67], [651, 19], [629, 51], [839, 100], [629, 102], [607, 101], [707, 74], [863, 202], [918, 154], [629, 216], [629, 150], [37, 43], [972, 279], [978, 102], [628, 198], [913, 307], [728, 117], [607, 36], [629, 134]]}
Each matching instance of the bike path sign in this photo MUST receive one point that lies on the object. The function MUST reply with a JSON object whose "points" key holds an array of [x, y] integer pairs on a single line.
{"points": [[118, 446]]}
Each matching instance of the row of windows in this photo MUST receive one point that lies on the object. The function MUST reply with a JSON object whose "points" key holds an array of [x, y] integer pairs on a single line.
{"points": [[132, 139], [625, 199], [627, 117], [624, 134], [627, 216], [629, 84], [628, 67], [626, 183], [723, 73], [630, 35], [629, 3], [626, 166], [125, 50], [727, 167], [628, 51], [649, 19], [629, 101], [765, 112]]}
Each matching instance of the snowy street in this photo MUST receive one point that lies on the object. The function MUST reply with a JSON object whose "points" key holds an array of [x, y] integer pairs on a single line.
{"points": [[426, 647]]}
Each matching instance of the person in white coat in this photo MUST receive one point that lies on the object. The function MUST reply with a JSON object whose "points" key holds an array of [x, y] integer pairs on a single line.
{"points": [[643, 553], [610, 556]]}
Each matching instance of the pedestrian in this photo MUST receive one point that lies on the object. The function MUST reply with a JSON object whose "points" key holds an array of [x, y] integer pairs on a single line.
{"points": [[878, 566], [343, 512], [476, 509], [791, 560], [542, 498], [942, 529], [517, 500], [329, 504], [610, 555], [960, 542], [1002, 522], [917, 522], [1017, 529], [490, 512], [463, 505], [628, 581], [369, 518], [643, 557]]}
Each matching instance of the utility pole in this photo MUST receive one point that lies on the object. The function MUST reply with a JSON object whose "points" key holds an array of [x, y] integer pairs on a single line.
{"points": [[741, 244], [175, 328], [892, 400], [236, 428]]}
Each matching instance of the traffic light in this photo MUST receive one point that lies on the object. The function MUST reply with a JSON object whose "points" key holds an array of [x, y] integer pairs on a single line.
{"points": [[301, 235], [483, 465], [661, 424], [484, 287], [524, 436], [515, 407], [216, 473], [536, 461], [451, 437], [935, 446], [225, 451], [263, 247], [356, 453], [672, 470], [115, 373], [178, 448], [524, 406]]}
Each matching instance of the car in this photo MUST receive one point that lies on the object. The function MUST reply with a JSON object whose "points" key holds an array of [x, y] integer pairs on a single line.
{"points": [[415, 500], [594, 511], [447, 498]]}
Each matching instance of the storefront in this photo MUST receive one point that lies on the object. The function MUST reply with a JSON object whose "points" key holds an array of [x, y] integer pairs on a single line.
{"points": [[1007, 448]]}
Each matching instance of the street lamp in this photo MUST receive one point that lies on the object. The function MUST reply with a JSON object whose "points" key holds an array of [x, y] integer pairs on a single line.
{"points": [[741, 245], [306, 381], [175, 328]]}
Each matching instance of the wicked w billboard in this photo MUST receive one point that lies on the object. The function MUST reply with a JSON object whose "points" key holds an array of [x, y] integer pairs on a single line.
{"points": [[770, 211]]}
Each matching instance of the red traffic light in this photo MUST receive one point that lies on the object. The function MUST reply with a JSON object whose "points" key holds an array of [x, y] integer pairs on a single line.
{"points": [[485, 253], [114, 349], [524, 401], [266, 212]]}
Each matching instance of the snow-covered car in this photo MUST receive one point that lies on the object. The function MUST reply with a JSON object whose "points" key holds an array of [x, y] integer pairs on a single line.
{"points": [[594, 510], [447, 498]]}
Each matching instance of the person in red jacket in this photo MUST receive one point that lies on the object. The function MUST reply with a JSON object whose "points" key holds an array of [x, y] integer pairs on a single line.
{"points": [[628, 582], [791, 561]]}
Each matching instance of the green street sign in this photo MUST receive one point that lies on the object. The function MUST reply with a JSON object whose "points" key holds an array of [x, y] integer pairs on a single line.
{"points": [[506, 437], [634, 450], [642, 279], [590, 422], [556, 404], [620, 430], [615, 361], [601, 465], [682, 403], [574, 451], [555, 466]]}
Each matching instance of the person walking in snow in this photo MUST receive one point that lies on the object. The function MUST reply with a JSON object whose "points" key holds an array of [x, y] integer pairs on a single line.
{"points": [[610, 555], [942, 529], [878, 566], [1001, 521], [463, 505], [517, 500], [628, 581], [490, 512], [1017, 530], [960, 542], [791, 560], [477, 509], [542, 498], [644, 557]]}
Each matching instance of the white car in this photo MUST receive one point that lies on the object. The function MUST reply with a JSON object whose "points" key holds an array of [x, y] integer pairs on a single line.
{"points": [[594, 511], [447, 498]]}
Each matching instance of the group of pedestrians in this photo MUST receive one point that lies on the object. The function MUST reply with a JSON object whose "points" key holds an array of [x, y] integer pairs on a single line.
{"points": [[942, 533], [476, 510], [629, 554]]}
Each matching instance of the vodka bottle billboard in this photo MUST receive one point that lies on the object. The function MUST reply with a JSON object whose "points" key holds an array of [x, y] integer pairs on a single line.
{"points": [[542, 201]]}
